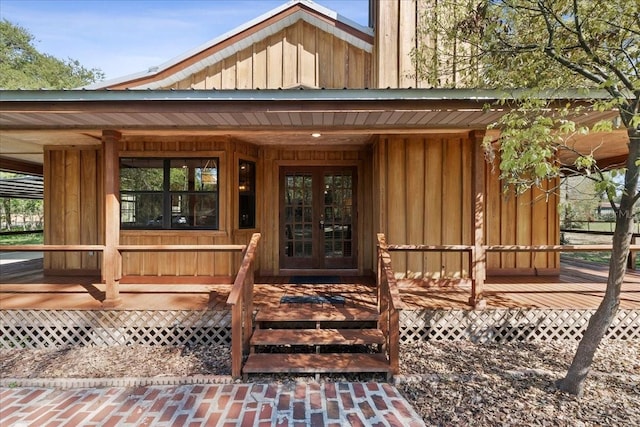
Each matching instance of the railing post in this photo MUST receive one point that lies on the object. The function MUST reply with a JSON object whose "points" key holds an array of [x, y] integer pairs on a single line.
{"points": [[111, 257], [248, 310], [241, 301], [478, 255]]}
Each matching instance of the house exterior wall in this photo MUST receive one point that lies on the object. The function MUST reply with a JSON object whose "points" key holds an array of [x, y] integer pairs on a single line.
{"points": [[425, 197], [73, 207], [415, 188], [299, 55]]}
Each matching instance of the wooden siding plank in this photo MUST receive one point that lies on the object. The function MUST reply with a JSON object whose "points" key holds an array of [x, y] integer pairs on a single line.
{"points": [[308, 57], [260, 65], [387, 43], [355, 63], [57, 205], [214, 79], [415, 190], [493, 214], [508, 228], [524, 209], [540, 223], [467, 201], [275, 64], [433, 203], [397, 201], [229, 72], [290, 58], [325, 60], [339, 64], [48, 184], [89, 206], [407, 30], [452, 204], [244, 69]]}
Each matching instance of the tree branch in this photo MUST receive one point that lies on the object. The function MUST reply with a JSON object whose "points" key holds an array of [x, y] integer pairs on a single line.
{"points": [[587, 49]]}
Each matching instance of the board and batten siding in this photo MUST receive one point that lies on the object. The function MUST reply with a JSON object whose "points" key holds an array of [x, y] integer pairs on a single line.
{"points": [[425, 198], [73, 208], [402, 26], [300, 55], [272, 158]]}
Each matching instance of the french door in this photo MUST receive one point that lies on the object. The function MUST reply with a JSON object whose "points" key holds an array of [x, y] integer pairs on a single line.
{"points": [[318, 218]]}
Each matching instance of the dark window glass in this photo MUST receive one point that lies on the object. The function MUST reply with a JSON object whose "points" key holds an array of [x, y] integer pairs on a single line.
{"points": [[247, 194], [169, 193]]}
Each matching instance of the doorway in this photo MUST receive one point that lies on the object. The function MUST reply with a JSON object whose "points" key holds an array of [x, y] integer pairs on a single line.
{"points": [[318, 218]]}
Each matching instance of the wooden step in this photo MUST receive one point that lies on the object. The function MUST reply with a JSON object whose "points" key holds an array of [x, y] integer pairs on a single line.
{"points": [[317, 337], [316, 314], [315, 363]]}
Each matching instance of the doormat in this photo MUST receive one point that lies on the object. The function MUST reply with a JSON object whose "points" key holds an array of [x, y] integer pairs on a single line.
{"points": [[314, 280], [312, 299]]}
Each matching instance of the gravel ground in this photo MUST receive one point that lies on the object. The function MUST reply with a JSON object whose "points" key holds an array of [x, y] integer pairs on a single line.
{"points": [[449, 383]]}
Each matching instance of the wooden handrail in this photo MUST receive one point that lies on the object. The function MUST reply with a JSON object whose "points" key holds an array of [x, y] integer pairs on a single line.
{"points": [[431, 248], [389, 304], [241, 301], [53, 248], [181, 248], [554, 248]]}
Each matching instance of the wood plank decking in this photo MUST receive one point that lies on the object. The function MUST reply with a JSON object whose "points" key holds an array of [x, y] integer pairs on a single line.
{"points": [[580, 286]]}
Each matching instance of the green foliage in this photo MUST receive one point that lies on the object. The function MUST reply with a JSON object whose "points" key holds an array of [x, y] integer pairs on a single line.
{"points": [[544, 46], [23, 67]]}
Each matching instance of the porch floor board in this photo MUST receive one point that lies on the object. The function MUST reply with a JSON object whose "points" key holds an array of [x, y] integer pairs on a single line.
{"points": [[579, 286]]}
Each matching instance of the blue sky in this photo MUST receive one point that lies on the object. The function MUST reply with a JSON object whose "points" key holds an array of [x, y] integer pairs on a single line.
{"points": [[122, 37]]}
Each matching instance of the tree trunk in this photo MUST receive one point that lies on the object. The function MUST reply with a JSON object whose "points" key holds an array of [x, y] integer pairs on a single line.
{"points": [[6, 204], [599, 323]]}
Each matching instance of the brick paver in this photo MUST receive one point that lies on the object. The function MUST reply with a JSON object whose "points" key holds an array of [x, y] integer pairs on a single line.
{"points": [[287, 404]]}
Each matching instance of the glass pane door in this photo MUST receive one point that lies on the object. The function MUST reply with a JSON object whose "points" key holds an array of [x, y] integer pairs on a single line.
{"points": [[298, 220], [317, 218]]}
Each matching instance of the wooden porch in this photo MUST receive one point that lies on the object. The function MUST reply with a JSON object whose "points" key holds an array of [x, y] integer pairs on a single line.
{"points": [[287, 324], [579, 286]]}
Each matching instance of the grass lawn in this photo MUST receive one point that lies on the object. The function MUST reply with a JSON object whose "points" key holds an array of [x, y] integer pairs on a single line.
{"points": [[596, 257], [22, 239]]}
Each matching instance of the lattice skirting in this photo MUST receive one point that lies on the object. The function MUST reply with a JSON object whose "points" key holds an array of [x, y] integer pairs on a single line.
{"points": [[60, 328], [510, 325]]}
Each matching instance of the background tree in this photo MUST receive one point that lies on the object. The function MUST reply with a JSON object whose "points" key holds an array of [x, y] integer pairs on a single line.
{"points": [[543, 46], [22, 66]]}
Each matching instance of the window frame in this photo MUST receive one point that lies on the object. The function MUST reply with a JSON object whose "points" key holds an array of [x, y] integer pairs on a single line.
{"points": [[167, 194], [252, 194]]}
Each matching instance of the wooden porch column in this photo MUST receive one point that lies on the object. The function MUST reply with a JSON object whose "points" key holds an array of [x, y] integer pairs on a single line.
{"points": [[478, 256], [111, 260]]}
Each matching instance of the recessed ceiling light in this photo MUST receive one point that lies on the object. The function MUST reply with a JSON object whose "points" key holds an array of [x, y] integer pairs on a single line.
{"points": [[316, 134]]}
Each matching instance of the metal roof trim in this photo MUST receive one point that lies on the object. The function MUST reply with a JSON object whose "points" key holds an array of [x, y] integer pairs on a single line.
{"points": [[298, 94]]}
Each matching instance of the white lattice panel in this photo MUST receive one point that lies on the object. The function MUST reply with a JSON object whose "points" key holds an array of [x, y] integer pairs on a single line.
{"points": [[60, 328], [510, 325]]}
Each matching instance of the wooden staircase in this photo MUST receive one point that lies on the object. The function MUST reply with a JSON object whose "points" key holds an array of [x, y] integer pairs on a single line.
{"points": [[316, 338]]}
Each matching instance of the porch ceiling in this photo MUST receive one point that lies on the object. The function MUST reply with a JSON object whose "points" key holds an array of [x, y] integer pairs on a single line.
{"points": [[30, 120]]}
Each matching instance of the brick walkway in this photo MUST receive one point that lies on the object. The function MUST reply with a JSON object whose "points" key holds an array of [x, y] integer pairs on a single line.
{"points": [[288, 404]]}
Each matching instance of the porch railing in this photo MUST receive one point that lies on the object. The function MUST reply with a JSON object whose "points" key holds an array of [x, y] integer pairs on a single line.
{"points": [[241, 302], [389, 305]]}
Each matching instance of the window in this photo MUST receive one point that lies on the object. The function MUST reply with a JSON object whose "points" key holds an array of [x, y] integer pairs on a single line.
{"points": [[247, 194], [169, 193]]}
